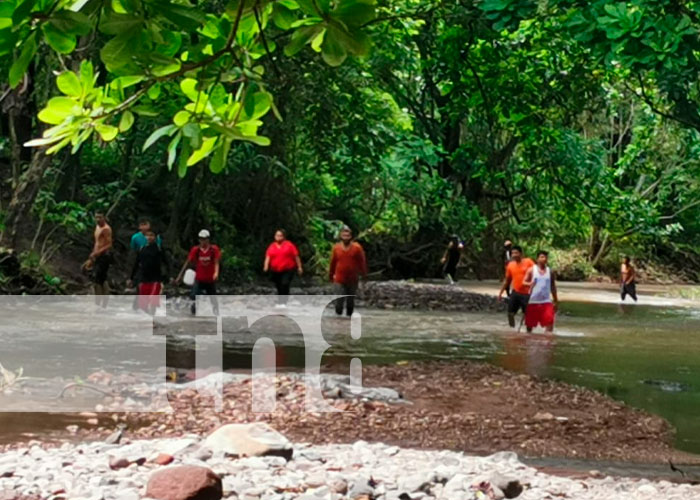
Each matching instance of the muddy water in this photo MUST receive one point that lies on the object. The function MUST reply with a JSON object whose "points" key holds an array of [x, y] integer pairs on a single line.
{"points": [[646, 354]]}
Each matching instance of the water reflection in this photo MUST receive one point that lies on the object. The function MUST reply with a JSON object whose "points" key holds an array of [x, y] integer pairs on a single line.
{"points": [[531, 354]]}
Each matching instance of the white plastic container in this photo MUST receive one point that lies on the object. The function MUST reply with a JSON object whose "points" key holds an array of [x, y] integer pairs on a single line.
{"points": [[188, 278]]}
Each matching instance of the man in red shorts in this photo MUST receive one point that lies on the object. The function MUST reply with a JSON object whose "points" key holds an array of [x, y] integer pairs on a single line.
{"points": [[543, 287]]}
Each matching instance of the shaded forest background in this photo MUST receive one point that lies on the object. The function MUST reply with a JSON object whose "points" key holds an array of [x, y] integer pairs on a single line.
{"points": [[559, 125]]}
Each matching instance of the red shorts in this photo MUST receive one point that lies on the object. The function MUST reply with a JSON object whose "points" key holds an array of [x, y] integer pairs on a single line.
{"points": [[149, 295], [542, 314]]}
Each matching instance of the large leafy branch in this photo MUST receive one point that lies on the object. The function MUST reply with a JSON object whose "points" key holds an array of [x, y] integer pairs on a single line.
{"points": [[207, 56]]}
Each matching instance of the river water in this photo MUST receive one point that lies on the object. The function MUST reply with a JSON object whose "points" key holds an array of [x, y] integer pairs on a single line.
{"points": [[646, 355]]}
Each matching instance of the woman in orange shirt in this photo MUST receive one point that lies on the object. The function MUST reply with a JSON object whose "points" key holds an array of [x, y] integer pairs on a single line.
{"points": [[348, 263]]}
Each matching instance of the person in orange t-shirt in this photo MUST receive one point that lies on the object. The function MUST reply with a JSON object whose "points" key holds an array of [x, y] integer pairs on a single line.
{"points": [[515, 275], [348, 263]]}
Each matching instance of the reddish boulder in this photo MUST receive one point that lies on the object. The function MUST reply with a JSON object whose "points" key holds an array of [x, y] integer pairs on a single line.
{"points": [[184, 482]]}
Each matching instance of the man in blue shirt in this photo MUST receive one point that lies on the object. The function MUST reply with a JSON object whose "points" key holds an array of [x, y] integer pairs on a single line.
{"points": [[138, 240]]}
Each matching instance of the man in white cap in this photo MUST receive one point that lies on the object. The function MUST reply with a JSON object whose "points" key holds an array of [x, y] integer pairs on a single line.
{"points": [[205, 259]]}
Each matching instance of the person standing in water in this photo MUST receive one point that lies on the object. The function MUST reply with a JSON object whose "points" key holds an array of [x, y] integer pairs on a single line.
{"points": [[628, 275], [348, 264], [507, 248], [281, 261], [515, 275], [449, 261], [151, 267], [543, 288], [138, 241], [205, 258], [101, 257]]}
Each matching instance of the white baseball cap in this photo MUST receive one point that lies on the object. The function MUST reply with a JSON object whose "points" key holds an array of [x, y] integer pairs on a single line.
{"points": [[204, 234]]}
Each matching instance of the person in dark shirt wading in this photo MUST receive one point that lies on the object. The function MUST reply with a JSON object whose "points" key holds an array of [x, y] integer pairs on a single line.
{"points": [[151, 269]]}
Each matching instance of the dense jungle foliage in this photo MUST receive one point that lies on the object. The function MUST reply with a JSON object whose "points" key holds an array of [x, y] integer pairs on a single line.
{"points": [[569, 125]]}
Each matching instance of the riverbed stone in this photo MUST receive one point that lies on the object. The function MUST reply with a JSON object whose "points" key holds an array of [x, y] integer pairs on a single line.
{"points": [[119, 463], [184, 482], [249, 440]]}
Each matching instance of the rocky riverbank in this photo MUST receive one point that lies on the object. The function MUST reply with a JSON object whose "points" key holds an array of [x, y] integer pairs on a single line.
{"points": [[245, 463], [394, 295], [461, 406]]}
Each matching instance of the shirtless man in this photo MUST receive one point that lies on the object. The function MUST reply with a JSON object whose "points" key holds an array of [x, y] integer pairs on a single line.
{"points": [[628, 286], [100, 258]]}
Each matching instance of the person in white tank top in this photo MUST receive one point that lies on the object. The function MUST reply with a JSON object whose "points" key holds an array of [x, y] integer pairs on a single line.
{"points": [[543, 301]]}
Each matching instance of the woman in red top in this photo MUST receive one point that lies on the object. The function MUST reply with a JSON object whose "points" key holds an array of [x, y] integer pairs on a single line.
{"points": [[282, 260]]}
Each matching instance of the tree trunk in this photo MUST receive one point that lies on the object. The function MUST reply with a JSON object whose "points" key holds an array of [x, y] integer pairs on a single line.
{"points": [[181, 205], [23, 198]]}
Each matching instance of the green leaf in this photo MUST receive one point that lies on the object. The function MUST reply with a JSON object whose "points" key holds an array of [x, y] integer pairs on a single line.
{"points": [[260, 140], [126, 121], [356, 43], [118, 52], [283, 17], [355, 13], [69, 83], [22, 11], [181, 118], [123, 82], [308, 7], [189, 88], [166, 69], [59, 41], [333, 50], [301, 37], [172, 149], [172, 41], [57, 110], [44, 141], [59, 146], [194, 133], [6, 10], [290, 4], [154, 91], [202, 152], [107, 132], [116, 24], [79, 4], [182, 162], [7, 41], [218, 162], [157, 134], [19, 67], [73, 23], [256, 104], [181, 16], [144, 110], [87, 75]]}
